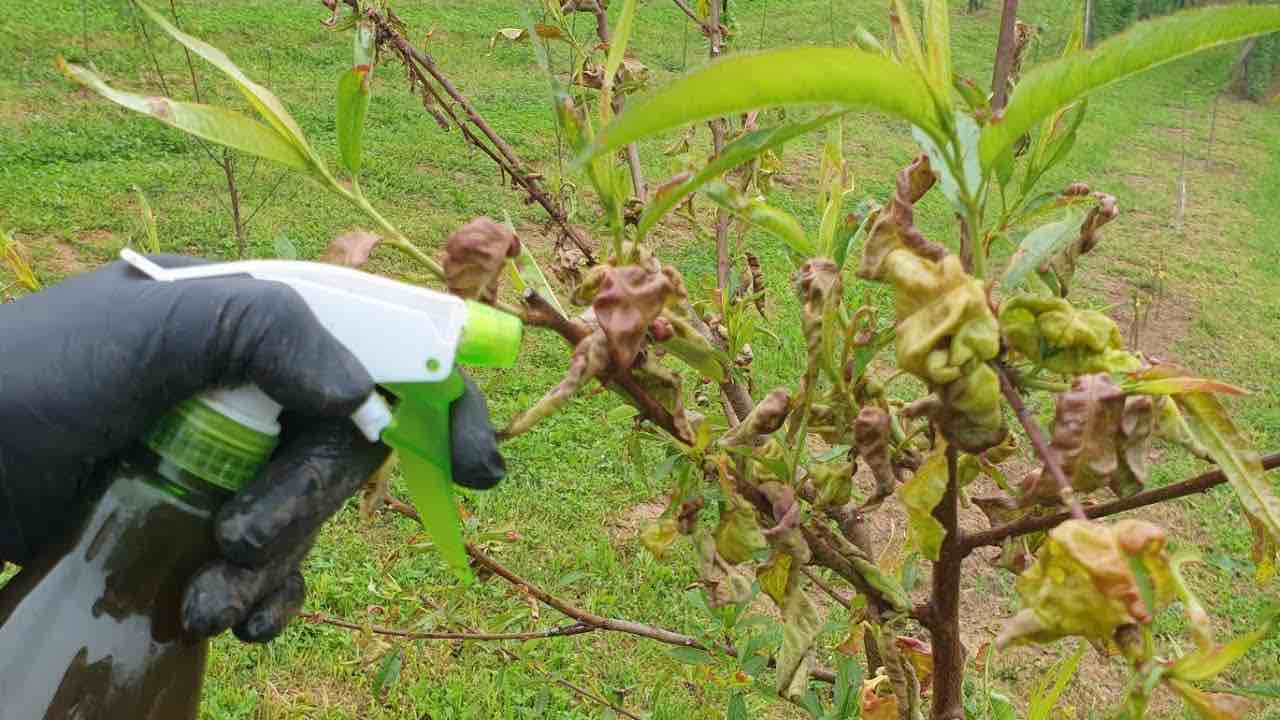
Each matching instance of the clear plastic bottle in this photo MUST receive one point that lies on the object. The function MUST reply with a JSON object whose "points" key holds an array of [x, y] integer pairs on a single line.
{"points": [[92, 629]]}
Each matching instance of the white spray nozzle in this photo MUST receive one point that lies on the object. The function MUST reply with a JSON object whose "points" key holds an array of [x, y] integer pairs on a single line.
{"points": [[401, 333]]}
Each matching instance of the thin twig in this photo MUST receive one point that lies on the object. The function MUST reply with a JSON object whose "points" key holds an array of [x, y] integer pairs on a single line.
{"points": [[1192, 486], [585, 617], [562, 631], [684, 7], [817, 580], [1036, 435]]}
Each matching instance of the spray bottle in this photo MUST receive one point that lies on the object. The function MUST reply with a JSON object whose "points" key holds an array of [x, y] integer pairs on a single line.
{"points": [[92, 629]]}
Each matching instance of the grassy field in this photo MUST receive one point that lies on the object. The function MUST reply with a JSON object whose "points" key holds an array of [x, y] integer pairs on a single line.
{"points": [[572, 502]]}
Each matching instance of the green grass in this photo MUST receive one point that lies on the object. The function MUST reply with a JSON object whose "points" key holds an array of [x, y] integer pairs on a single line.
{"points": [[68, 161]]}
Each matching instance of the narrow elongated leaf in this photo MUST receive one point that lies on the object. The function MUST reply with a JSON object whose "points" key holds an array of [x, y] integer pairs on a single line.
{"points": [[207, 122], [1203, 665], [1212, 427], [353, 103], [734, 154], [737, 708], [618, 44], [1148, 44], [148, 222], [1211, 706], [937, 30], [1179, 386], [1040, 245], [797, 76], [779, 223], [388, 673], [920, 495], [262, 99], [1046, 697]]}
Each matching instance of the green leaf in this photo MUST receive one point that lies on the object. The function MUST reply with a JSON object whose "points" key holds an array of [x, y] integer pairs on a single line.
{"points": [[734, 154], [148, 222], [525, 270], [1001, 706], [796, 76], [737, 708], [214, 124], [691, 656], [920, 495], [1045, 698], [937, 33], [1210, 706], [622, 413], [353, 103], [772, 220], [1046, 88], [1201, 665], [1040, 245], [800, 629], [954, 181], [262, 99], [1209, 423], [618, 44], [388, 673], [696, 352], [283, 247]]}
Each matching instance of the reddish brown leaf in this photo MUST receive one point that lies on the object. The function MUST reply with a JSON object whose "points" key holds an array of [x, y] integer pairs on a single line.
{"points": [[628, 301], [351, 249], [474, 255]]}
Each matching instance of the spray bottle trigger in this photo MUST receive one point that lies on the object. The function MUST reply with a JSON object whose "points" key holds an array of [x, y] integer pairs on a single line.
{"points": [[419, 432]]}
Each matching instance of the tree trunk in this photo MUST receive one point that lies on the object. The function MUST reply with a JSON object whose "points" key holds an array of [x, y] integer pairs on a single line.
{"points": [[1004, 57], [944, 625]]}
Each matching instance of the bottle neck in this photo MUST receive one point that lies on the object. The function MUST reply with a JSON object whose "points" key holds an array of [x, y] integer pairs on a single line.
{"points": [[195, 440]]}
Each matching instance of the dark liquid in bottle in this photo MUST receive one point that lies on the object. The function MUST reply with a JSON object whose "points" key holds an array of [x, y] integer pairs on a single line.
{"points": [[92, 630]]}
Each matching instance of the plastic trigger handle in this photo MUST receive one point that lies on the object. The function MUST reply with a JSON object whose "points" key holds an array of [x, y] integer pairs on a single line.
{"points": [[419, 432]]}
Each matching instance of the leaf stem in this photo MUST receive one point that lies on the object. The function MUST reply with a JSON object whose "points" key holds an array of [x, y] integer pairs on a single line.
{"points": [[397, 239]]}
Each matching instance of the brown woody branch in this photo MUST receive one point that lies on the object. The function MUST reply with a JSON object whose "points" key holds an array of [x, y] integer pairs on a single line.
{"points": [[944, 603], [562, 631], [500, 152], [1036, 435], [541, 313], [585, 617], [684, 7], [1004, 56], [1198, 484]]}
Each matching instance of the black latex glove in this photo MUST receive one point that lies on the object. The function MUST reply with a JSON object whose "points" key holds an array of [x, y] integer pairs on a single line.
{"points": [[89, 365]]}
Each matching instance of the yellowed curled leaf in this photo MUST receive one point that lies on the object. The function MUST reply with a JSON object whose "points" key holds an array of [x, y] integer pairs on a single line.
{"points": [[1082, 582], [351, 249], [1055, 334], [920, 495]]}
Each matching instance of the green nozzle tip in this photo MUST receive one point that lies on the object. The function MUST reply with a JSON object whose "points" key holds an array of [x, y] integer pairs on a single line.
{"points": [[491, 338]]}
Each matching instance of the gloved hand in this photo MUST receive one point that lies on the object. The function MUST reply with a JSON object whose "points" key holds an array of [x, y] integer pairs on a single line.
{"points": [[89, 365]]}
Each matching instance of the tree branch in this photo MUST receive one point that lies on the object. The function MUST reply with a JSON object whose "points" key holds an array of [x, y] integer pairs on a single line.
{"points": [[585, 617], [562, 631], [1036, 435], [944, 603], [501, 153], [684, 7], [1197, 484], [1004, 57]]}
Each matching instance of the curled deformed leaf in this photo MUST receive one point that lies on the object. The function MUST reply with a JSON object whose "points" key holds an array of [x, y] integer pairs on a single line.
{"points": [[871, 433], [920, 655], [351, 249], [773, 576], [1055, 334], [474, 256], [800, 629], [738, 536], [629, 299], [946, 332], [876, 699], [833, 482], [763, 420], [1086, 426], [920, 495], [658, 536], [1083, 582]]}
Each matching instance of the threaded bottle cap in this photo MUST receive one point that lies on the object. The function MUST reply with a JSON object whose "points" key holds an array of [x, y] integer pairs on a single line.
{"points": [[490, 337], [209, 445]]}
